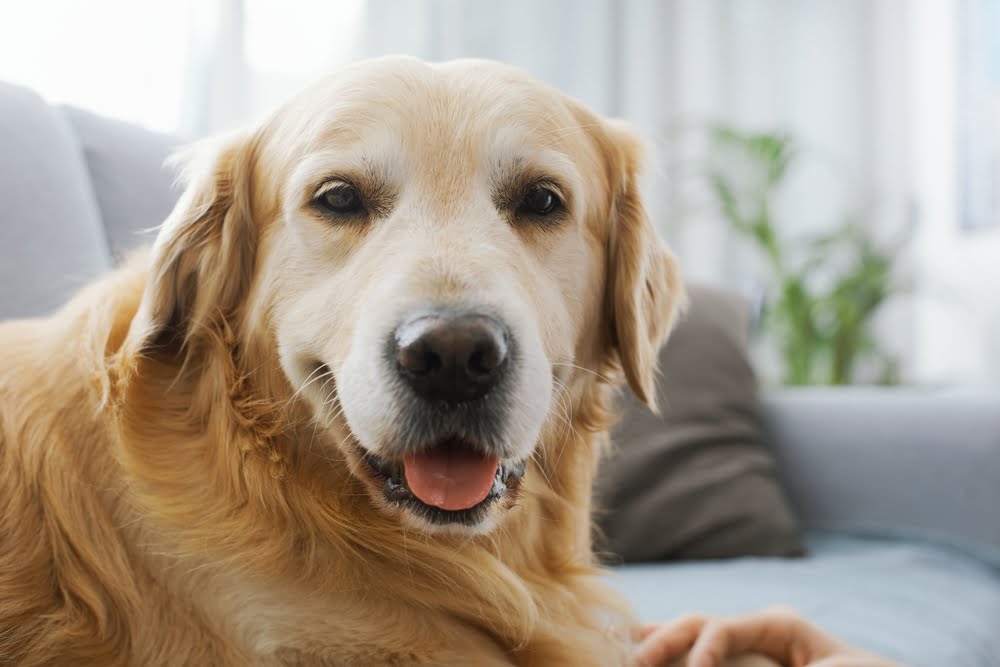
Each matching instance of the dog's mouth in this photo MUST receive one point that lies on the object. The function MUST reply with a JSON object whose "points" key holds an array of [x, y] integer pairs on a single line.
{"points": [[451, 481]]}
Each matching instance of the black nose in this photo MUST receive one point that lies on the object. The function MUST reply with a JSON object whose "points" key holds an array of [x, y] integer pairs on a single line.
{"points": [[452, 358]]}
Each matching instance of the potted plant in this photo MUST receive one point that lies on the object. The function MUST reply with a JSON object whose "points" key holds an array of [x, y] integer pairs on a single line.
{"points": [[826, 289]]}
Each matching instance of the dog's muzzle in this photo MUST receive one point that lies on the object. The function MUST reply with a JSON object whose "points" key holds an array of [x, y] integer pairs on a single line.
{"points": [[452, 368]]}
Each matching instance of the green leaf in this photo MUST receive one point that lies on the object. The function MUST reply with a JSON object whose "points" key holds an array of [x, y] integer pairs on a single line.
{"points": [[823, 336]]}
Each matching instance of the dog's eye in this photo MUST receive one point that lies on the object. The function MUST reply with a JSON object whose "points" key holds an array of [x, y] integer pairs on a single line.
{"points": [[341, 199], [539, 200]]}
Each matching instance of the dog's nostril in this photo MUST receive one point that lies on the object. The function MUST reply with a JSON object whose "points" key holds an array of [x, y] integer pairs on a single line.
{"points": [[487, 356], [417, 357], [451, 358]]}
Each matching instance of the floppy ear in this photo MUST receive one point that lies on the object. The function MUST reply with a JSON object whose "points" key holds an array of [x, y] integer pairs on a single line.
{"points": [[644, 290], [202, 259]]}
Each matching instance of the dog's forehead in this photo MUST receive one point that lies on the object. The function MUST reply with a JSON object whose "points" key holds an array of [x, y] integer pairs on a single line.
{"points": [[471, 103]]}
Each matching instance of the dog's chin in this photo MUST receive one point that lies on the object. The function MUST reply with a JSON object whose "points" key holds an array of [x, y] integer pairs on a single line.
{"points": [[386, 481]]}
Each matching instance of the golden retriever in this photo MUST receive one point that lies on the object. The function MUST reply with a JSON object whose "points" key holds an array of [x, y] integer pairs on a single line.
{"points": [[348, 408]]}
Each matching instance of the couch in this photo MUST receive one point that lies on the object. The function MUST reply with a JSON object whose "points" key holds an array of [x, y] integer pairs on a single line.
{"points": [[898, 490]]}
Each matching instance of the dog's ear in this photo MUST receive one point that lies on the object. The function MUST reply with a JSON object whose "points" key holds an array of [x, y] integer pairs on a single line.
{"points": [[644, 292], [202, 260]]}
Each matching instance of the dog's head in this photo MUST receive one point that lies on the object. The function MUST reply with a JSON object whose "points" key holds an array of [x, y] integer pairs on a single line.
{"points": [[439, 256]]}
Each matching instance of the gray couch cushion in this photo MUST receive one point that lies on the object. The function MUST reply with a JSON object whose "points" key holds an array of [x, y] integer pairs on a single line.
{"points": [[916, 603], [51, 237], [888, 461], [698, 482], [133, 187]]}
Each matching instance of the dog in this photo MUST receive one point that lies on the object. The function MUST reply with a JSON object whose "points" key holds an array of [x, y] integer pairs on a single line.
{"points": [[348, 408]]}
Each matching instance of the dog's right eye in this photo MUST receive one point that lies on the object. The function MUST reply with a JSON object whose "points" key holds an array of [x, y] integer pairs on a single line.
{"points": [[341, 199]]}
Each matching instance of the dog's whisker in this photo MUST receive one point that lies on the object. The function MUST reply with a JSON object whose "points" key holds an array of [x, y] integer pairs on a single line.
{"points": [[569, 421], [565, 416], [562, 393], [316, 374], [536, 456], [584, 369], [564, 400], [316, 421]]}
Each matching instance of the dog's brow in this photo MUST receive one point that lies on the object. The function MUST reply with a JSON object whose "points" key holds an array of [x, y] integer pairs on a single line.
{"points": [[511, 153], [312, 170]]}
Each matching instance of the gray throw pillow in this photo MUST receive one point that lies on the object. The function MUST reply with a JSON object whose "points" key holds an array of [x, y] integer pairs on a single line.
{"points": [[698, 481]]}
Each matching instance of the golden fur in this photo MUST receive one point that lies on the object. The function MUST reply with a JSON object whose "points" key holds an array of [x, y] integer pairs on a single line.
{"points": [[171, 496]]}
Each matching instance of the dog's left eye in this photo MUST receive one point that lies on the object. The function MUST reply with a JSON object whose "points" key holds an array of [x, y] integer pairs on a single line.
{"points": [[341, 199], [539, 200]]}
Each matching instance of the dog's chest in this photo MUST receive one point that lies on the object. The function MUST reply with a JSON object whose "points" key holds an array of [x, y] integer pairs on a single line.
{"points": [[286, 626]]}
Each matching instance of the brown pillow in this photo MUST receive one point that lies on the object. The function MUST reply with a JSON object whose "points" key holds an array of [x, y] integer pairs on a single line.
{"points": [[699, 481]]}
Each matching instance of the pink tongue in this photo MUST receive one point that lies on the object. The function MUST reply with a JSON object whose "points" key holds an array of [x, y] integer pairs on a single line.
{"points": [[449, 477]]}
